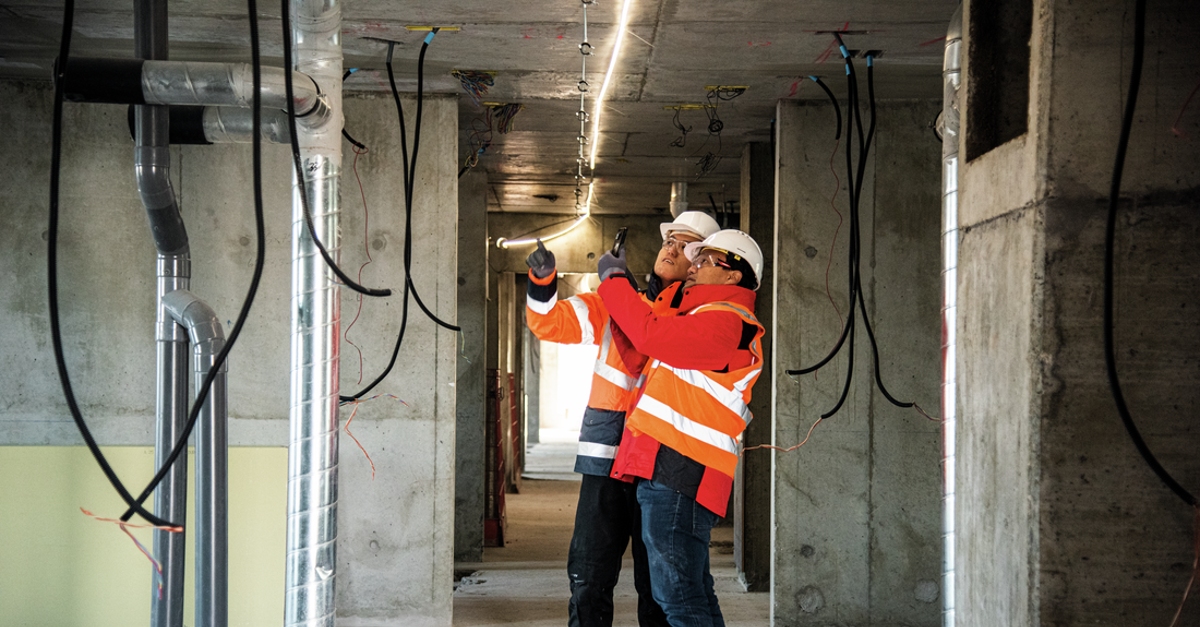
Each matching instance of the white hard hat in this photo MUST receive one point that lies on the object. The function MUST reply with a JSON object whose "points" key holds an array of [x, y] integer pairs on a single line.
{"points": [[731, 242], [697, 223]]}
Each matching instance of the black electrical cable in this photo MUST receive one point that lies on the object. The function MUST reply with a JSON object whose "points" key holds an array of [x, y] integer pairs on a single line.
{"points": [[409, 175], [296, 161], [866, 319], [837, 108], [1110, 358], [410, 168], [64, 377], [256, 277], [855, 178], [345, 133]]}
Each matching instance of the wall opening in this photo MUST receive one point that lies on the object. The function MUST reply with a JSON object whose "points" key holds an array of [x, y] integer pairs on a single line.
{"points": [[998, 73]]}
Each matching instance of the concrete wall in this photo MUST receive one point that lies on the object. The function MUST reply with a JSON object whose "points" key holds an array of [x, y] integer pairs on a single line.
{"points": [[395, 542], [856, 516], [472, 384], [1066, 524], [752, 490]]}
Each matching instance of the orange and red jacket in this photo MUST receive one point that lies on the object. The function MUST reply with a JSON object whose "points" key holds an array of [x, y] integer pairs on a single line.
{"points": [[583, 319], [684, 429]]}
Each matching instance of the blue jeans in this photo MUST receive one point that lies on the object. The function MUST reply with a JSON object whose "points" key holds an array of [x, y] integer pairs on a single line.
{"points": [[677, 530]]}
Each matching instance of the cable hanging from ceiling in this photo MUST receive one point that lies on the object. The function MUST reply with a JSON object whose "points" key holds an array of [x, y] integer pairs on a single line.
{"points": [[855, 174]]}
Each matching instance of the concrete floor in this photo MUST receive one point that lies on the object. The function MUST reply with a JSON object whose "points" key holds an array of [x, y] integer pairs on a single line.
{"points": [[525, 582]]}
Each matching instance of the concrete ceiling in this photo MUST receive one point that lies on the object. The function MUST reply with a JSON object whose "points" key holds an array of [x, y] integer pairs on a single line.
{"points": [[675, 49]]}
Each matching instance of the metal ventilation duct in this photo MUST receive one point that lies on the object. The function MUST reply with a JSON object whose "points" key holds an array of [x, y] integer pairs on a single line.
{"points": [[313, 445]]}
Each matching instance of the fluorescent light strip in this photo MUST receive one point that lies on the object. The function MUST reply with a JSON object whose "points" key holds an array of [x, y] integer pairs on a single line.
{"points": [[612, 63], [587, 213]]}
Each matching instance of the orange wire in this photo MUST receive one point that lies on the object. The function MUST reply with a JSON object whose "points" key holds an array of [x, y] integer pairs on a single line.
{"points": [[158, 577], [832, 204], [360, 446], [367, 247], [1195, 569], [790, 449]]}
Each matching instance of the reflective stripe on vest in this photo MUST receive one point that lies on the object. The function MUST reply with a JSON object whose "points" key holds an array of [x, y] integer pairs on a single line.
{"points": [[734, 399], [623, 380], [586, 336], [687, 426], [700, 413], [538, 307]]}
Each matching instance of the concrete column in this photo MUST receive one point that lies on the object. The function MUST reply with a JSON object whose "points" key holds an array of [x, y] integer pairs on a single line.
{"points": [[396, 530], [752, 490], [471, 388], [1060, 521], [855, 515]]}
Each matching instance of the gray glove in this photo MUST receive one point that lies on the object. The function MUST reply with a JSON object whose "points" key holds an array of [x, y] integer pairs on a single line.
{"points": [[540, 261], [611, 264]]}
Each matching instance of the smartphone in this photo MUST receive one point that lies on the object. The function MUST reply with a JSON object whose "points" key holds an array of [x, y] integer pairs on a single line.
{"points": [[619, 240]]}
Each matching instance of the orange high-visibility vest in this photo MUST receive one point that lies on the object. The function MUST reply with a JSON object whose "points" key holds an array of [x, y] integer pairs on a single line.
{"points": [[700, 413]]}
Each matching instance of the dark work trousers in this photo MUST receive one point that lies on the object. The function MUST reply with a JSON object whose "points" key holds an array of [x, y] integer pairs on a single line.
{"points": [[606, 519]]}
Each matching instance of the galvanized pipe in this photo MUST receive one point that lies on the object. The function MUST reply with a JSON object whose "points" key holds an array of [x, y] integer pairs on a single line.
{"points": [[226, 125], [229, 85], [212, 554], [951, 69], [152, 171], [313, 448], [679, 202]]}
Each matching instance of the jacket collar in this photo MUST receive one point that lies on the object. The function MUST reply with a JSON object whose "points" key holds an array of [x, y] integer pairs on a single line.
{"points": [[697, 295]]}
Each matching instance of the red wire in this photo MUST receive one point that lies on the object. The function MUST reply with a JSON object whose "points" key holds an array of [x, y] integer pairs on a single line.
{"points": [[1175, 124], [360, 446], [837, 188], [1195, 569], [367, 247]]}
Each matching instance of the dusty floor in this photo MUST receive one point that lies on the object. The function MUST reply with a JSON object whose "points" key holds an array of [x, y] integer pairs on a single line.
{"points": [[525, 582]]}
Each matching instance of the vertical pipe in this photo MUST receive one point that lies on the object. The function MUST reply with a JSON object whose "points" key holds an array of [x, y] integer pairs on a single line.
{"points": [[212, 555], [679, 202], [312, 452], [951, 69], [171, 411], [212, 545], [152, 163]]}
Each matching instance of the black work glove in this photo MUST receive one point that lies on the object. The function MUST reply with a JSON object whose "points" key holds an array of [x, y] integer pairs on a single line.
{"points": [[540, 261]]}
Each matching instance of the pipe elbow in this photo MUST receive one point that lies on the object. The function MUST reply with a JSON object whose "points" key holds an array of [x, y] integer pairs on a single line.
{"points": [[201, 321]]}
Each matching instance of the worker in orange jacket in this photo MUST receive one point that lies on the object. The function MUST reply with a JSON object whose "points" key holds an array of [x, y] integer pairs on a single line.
{"points": [[607, 515], [681, 441]]}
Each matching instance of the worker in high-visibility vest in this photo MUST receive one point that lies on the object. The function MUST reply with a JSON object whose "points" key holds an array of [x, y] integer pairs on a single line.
{"points": [[607, 515], [681, 441]]}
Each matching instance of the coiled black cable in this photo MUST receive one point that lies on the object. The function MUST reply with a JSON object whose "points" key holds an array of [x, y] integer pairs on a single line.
{"points": [[256, 277], [299, 168], [1110, 358]]}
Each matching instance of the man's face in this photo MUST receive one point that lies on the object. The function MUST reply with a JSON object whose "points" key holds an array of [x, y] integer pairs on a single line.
{"points": [[710, 268], [671, 264]]}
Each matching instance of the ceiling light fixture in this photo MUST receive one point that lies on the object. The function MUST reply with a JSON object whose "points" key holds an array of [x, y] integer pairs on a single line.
{"points": [[612, 63], [587, 213]]}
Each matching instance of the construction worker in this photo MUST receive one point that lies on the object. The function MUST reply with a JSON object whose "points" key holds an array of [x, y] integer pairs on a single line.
{"points": [[681, 441], [607, 516]]}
